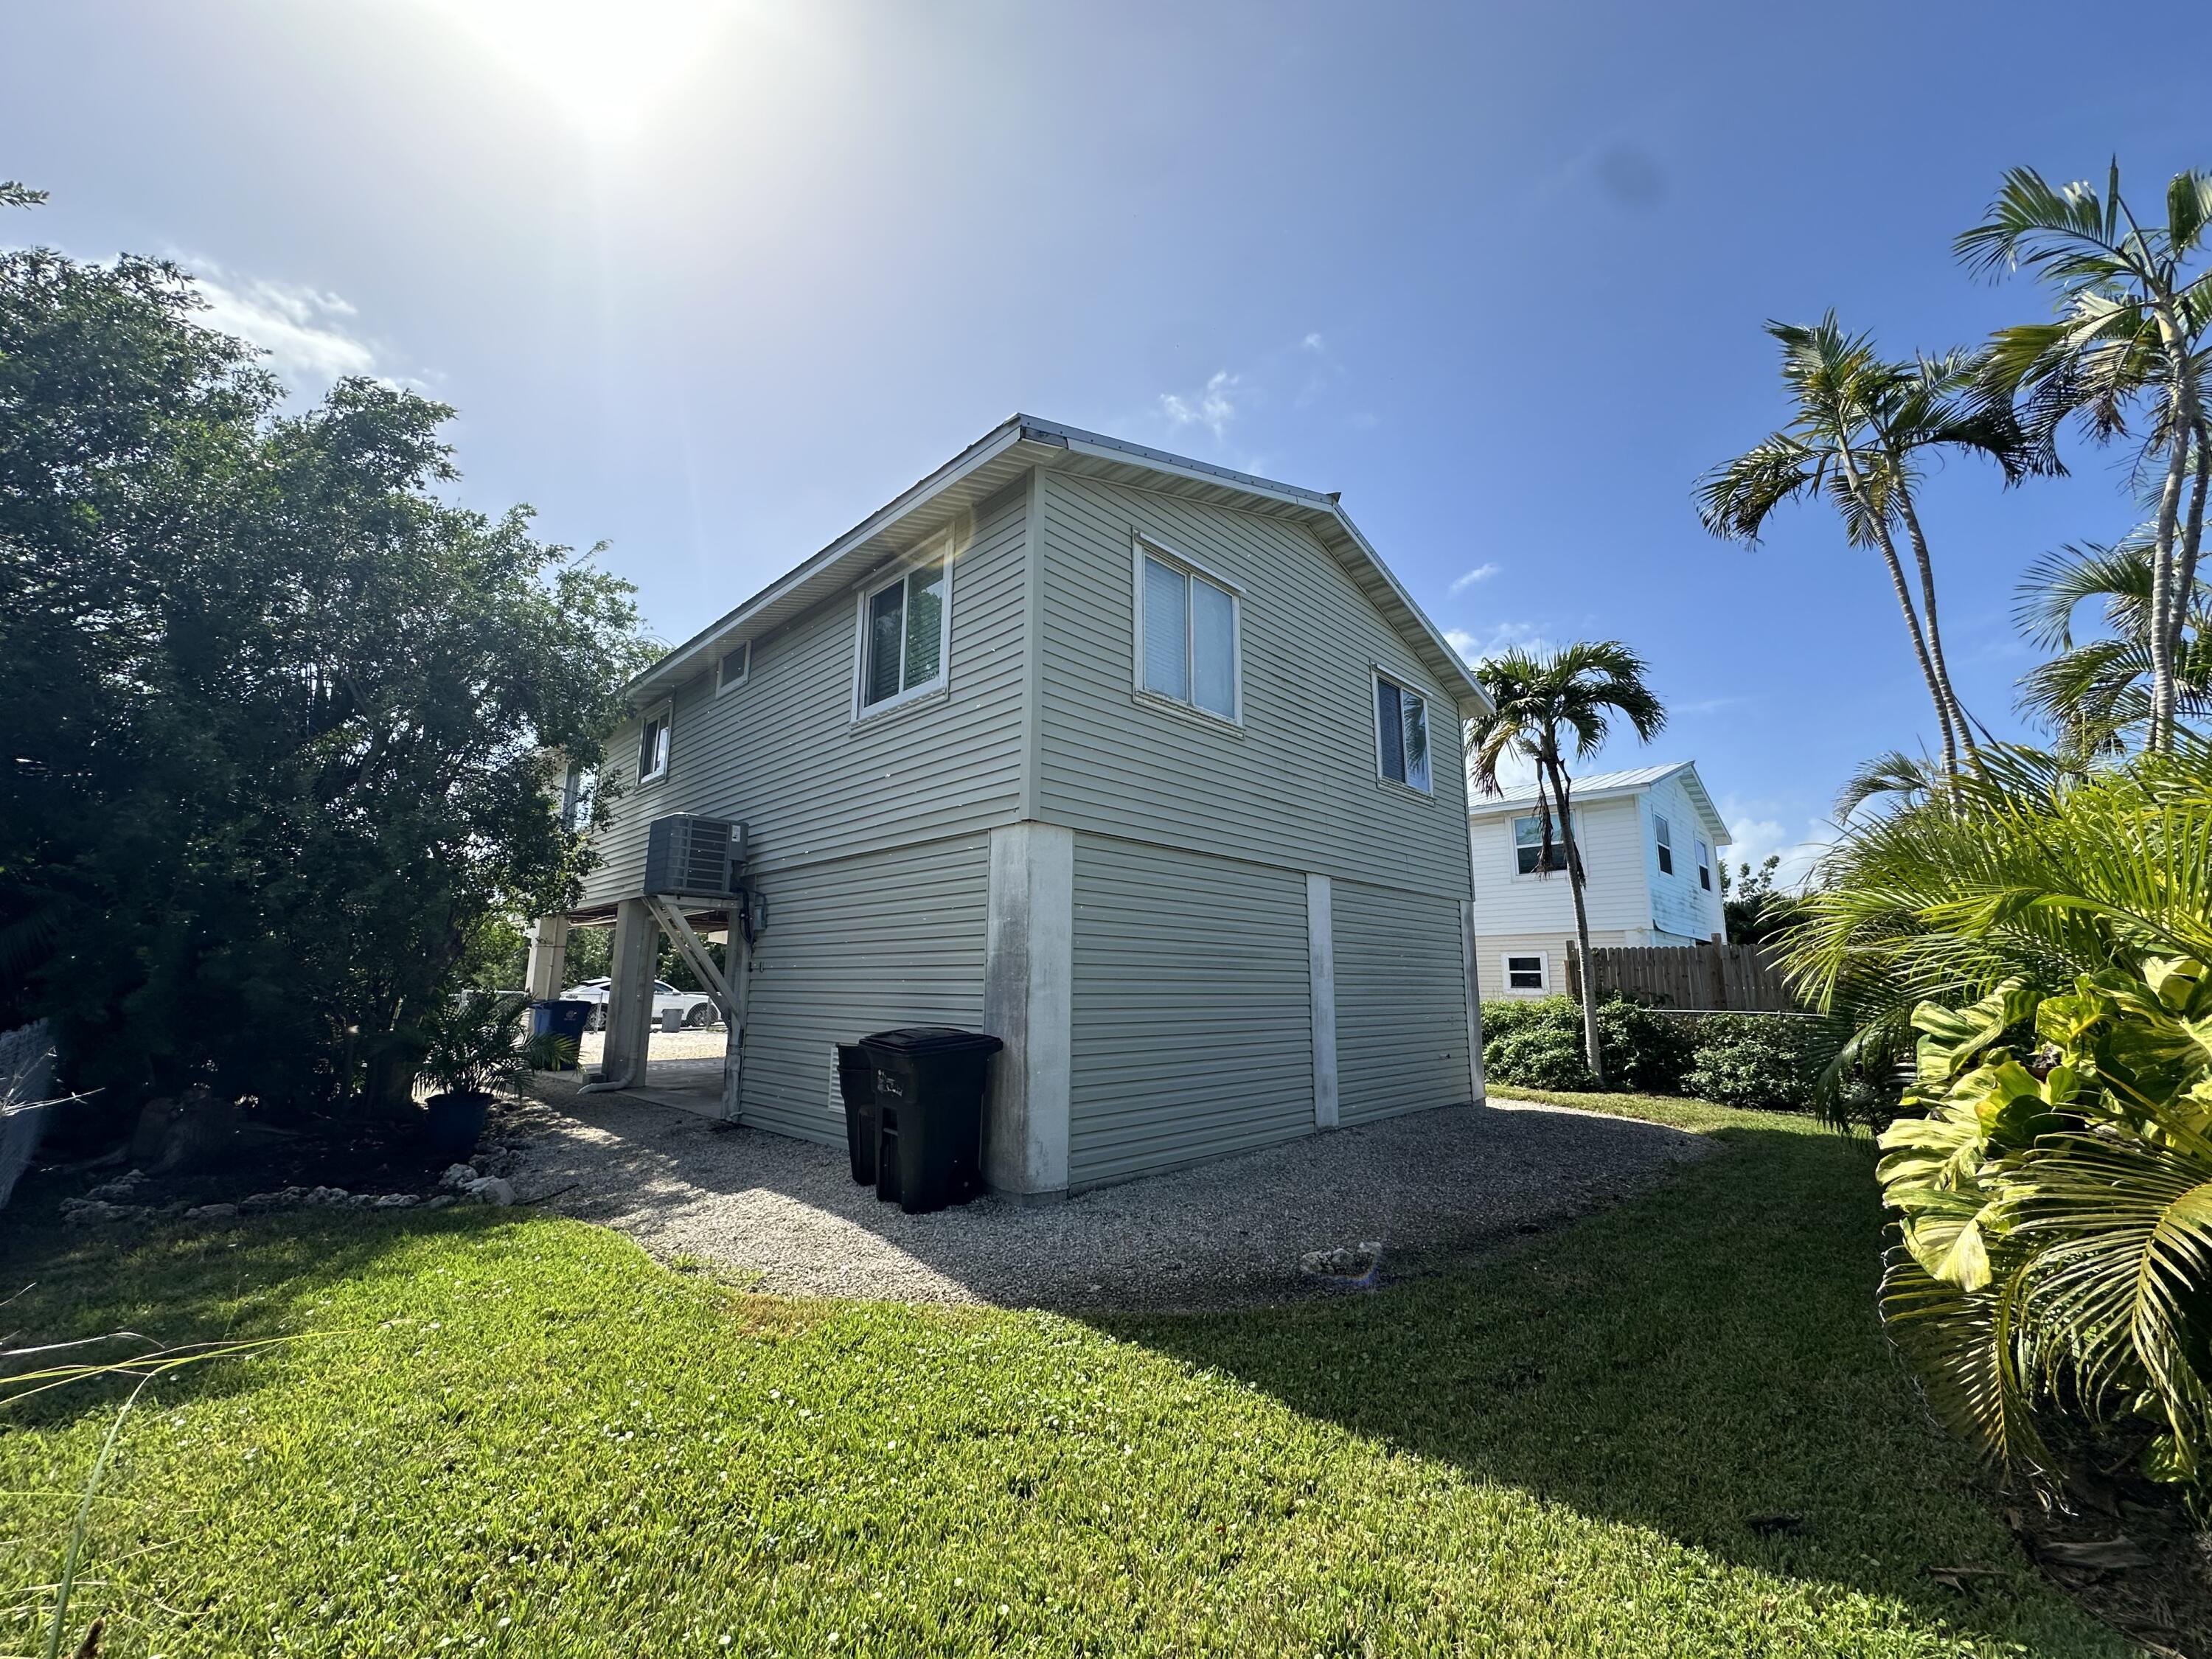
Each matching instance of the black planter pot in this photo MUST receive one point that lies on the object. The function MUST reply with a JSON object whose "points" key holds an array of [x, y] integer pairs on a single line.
{"points": [[451, 1123]]}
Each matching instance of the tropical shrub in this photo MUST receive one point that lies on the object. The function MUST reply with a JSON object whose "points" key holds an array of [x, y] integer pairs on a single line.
{"points": [[1769, 1060], [2054, 1253], [1536, 1044]]}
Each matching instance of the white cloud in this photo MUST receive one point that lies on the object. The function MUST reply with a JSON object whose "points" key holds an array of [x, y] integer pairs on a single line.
{"points": [[312, 337], [1313, 343], [1213, 406], [1752, 840], [1505, 636], [1481, 572]]}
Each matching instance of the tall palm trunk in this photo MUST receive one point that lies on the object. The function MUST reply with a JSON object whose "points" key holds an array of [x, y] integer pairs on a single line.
{"points": [[1942, 669], [1879, 523], [2164, 604], [1591, 1051]]}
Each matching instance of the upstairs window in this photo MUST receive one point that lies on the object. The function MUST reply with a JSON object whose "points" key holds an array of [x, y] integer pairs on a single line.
{"points": [[903, 626], [1187, 639], [737, 663], [1665, 838], [1528, 847], [1704, 867], [1402, 734], [653, 745]]}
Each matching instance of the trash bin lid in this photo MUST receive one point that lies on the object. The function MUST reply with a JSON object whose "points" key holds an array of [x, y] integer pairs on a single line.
{"points": [[918, 1040]]}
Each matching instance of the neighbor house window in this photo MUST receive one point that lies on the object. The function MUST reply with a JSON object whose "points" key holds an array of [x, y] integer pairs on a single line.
{"points": [[581, 785], [903, 635], [737, 663], [1665, 837], [1528, 846], [1401, 731], [1704, 867], [1524, 973], [1187, 638], [653, 745]]}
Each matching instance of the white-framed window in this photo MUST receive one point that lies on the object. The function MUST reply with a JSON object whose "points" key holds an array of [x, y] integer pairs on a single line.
{"points": [[1526, 971], [1401, 733], [1528, 846], [1663, 834], [736, 663], [653, 745], [1705, 865], [581, 784], [1189, 634], [905, 636]]}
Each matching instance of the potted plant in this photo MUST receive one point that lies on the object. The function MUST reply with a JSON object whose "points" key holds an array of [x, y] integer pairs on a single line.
{"points": [[471, 1046]]}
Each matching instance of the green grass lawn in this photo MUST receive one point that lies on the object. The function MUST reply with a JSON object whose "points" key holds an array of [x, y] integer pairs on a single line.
{"points": [[516, 1434]]}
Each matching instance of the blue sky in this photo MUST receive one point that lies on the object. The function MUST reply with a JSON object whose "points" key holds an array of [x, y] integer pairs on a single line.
{"points": [[711, 281]]}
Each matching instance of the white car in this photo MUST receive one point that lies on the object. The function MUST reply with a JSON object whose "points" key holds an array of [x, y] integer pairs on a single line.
{"points": [[697, 1006]]}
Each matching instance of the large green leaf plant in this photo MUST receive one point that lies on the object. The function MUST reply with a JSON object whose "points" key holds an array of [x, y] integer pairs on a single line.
{"points": [[2054, 1207]]}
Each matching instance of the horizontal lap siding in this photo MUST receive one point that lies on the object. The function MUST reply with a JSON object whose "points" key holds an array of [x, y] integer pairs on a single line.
{"points": [[1297, 787], [1193, 1017], [1491, 951], [781, 752], [856, 945], [1401, 1002]]}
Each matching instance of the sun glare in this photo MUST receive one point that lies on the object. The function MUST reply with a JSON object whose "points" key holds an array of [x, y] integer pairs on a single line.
{"points": [[605, 64]]}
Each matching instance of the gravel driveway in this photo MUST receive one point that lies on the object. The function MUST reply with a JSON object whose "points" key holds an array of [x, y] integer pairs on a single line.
{"points": [[1434, 1187]]}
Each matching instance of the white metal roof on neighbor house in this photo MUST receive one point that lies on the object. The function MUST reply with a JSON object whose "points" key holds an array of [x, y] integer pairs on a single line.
{"points": [[994, 461], [1611, 786]]}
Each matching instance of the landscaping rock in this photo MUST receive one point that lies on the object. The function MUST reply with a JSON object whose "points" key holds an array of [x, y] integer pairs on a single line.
{"points": [[212, 1212], [120, 1190], [458, 1176], [442, 1202], [1345, 1262], [491, 1190], [324, 1195], [397, 1201], [92, 1211]]}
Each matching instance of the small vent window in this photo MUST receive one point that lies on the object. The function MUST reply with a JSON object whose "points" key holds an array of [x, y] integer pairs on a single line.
{"points": [[737, 663], [1665, 837]]}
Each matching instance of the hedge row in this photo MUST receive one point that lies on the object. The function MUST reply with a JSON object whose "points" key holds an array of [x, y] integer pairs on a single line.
{"points": [[1769, 1060]]}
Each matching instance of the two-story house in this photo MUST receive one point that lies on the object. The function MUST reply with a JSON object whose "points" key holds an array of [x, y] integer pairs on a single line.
{"points": [[1150, 767], [1650, 842]]}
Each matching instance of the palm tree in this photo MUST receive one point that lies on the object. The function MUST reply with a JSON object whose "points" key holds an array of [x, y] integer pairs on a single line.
{"points": [[1541, 706], [2130, 332], [1861, 428], [2092, 691]]}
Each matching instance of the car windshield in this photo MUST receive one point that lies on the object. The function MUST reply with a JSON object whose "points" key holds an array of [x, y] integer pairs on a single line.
{"points": [[665, 988]]}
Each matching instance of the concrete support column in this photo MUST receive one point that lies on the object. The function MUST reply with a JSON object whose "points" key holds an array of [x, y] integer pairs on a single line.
{"points": [[1029, 978], [548, 956], [630, 992], [1321, 969], [1475, 1082]]}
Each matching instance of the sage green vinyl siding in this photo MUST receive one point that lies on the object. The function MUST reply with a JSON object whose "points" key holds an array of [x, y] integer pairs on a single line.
{"points": [[782, 753], [1297, 785], [1401, 1002], [854, 945], [1192, 1009]]}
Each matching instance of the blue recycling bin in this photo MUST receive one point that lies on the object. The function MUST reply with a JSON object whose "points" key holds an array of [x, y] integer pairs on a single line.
{"points": [[560, 1019]]}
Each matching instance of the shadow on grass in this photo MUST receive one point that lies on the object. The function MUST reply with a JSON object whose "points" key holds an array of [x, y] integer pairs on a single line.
{"points": [[1704, 1361], [168, 1286]]}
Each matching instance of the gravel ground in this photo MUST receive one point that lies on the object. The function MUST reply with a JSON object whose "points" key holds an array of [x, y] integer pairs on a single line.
{"points": [[1435, 1188], [705, 1043]]}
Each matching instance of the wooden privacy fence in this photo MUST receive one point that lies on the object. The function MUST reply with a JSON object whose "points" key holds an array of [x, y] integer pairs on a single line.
{"points": [[1739, 978]]}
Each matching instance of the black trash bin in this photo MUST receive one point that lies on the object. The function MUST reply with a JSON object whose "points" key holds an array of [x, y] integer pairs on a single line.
{"points": [[558, 1019], [856, 1082], [929, 1112]]}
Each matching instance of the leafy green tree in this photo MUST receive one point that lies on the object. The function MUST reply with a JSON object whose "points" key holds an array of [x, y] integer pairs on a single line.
{"points": [[1547, 710], [1862, 428], [2128, 342], [284, 721]]}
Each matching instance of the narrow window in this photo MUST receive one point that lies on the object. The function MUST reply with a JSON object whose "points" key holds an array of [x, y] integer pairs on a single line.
{"points": [[1528, 846], [1704, 867], [737, 663], [1401, 731], [1190, 639], [1665, 839], [652, 746], [902, 637], [1524, 973], [582, 783]]}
